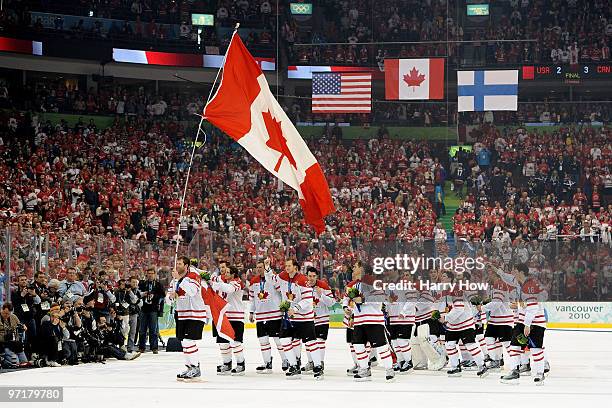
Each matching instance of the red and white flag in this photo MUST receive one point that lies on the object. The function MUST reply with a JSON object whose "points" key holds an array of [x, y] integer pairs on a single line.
{"points": [[245, 109], [414, 78], [218, 306]]}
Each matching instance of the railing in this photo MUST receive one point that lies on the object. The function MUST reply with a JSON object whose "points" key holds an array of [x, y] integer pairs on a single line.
{"points": [[571, 268]]}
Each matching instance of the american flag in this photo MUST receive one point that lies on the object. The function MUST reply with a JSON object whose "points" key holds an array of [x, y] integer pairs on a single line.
{"points": [[339, 92]]}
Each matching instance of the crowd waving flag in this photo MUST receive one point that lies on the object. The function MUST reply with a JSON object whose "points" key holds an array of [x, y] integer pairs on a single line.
{"points": [[414, 78], [479, 91], [244, 108], [341, 92]]}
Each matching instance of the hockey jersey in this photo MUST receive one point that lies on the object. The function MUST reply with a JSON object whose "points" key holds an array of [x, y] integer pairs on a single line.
{"points": [[264, 298], [189, 304], [461, 315], [323, 299], [498, 309], [425, 304], [531, 308], [370, 310], [231, 291], [296, 291], [401, 306]]}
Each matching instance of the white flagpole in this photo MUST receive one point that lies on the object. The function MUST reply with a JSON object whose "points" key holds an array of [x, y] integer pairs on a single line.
{"points": [[195, 142]]}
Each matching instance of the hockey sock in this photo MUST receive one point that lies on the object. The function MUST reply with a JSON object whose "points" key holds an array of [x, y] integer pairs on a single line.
{"points": [[465, 354], [538, 360], [453, 353], [475, 353], [373, 352], [297, 347], [190, 351], [279, 347], [226, 352], [266, 349], [525, 356], [237, 349], [494, 347], [515, 357], [321, 345], [312, 349], [288, 348], [399, 351], [353, 355], [483, 345], [406, 350], [362, 355], [384, 353], [506, 346]]}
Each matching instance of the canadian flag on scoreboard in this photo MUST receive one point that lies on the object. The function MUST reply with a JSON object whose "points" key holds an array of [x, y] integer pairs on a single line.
{"points": [[414, 78], [245, 109]]}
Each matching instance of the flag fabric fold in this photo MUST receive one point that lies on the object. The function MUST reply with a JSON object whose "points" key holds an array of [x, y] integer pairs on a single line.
{"points": [[218, 306], [244, 108]]}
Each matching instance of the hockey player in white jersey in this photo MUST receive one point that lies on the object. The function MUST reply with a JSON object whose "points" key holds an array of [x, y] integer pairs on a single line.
{"points": [[229, 286], [364, 303], [530, 328], [498, 333], [460, 326], [401, 310], [191, 316], [427, 332], [323, 300], [264, 309]]}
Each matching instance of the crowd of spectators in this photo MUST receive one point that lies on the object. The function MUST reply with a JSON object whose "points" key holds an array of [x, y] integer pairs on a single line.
{"points": [[150, 23], [85, 317], [535, 31], [524, 186]]}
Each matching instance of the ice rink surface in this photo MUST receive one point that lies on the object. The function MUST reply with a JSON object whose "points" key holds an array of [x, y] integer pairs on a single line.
{"points": [[581, 376]]}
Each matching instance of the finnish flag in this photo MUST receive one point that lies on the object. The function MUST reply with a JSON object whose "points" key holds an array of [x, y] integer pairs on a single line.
{"points": [[479, 91]]}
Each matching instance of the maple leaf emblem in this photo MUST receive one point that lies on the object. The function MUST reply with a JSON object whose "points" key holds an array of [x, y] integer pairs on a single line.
{"points": [[414, 79], [277, 141], [393, 297], [316, 301], [263, 295]]}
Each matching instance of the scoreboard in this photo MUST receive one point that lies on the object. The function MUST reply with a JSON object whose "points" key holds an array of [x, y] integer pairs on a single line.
{"points": [[569, 74]]}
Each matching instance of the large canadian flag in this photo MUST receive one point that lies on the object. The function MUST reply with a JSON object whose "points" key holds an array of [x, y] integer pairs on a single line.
{"points": [[245, 109], [414, 78]]}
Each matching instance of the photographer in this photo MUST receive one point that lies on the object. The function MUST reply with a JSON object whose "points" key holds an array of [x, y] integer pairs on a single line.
{"points": [[135, 301], [72, 320], [153, 295], [124, 298], [52, 334], [90, 341], [112, 339], [71, 286], [12, 338], [26, 303], [103, 298]]}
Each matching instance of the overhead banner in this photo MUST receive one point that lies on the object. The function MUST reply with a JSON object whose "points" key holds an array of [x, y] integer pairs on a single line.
{"points": [[305, 71], [179, 59], [20, 46]]}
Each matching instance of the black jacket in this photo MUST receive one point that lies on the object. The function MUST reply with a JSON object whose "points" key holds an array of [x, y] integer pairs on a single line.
{"points": [[153, 295]]}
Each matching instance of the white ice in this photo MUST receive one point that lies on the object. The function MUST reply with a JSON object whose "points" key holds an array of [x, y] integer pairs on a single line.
{"points": [[580, 377]]}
